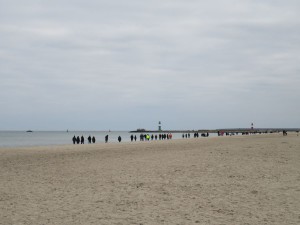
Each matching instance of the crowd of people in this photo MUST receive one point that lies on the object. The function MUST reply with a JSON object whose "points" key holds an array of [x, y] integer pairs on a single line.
{"points": [[80, 140], [196, 135], [142, 137], [164, 136], [147, 137]]}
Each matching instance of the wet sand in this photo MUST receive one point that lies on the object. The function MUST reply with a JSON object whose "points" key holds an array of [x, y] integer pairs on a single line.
{"points": [[220, 180]]}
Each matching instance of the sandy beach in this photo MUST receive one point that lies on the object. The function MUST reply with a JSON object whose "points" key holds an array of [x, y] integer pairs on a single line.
{"points": [[247, 180]]}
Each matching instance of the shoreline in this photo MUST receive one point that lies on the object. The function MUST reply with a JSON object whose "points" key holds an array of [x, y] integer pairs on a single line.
{"points": [[23, 139], [103, 144]]}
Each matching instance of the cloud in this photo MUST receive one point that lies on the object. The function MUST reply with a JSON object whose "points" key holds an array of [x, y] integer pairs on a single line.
{"points": [[185, 63]]}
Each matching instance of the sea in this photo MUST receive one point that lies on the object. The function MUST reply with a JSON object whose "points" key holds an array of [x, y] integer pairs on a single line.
{"points": [[48, 138]]}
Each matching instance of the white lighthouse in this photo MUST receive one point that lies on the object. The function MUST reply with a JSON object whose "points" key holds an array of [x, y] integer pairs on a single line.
{"points": [[159, 126]]}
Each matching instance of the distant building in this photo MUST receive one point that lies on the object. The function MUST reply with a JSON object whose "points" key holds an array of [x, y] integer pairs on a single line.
{"points": [[141, 130]]}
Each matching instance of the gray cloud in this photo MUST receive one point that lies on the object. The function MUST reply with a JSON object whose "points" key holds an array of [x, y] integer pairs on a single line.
{"points": [[122, 65]]}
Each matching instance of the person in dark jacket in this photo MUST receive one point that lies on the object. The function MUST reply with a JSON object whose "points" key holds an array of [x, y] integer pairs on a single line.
{"points": [[119, 138]]}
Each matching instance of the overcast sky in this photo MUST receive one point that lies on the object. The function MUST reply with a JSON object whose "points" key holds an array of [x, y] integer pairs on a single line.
{"points": [[122, 65]]}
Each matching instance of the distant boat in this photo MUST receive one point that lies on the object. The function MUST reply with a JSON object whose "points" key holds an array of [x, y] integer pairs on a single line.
{"points": [[29, 131]]}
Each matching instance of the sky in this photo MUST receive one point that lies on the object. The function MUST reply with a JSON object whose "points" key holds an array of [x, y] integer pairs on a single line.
{"points": [[123, 65]]}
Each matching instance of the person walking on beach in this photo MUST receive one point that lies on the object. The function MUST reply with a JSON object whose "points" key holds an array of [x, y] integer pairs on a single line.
{"points": [[90, 139], [131, 138], [74, 140], [78, 140], [93, 139], [82, 140], [106, 138], [119, 138], [134, 137]]}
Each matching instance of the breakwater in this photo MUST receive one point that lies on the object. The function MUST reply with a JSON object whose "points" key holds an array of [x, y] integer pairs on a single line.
{"points": [[225, 130]]}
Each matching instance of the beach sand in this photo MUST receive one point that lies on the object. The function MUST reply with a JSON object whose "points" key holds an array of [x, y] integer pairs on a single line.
{"points": [[219, 180]]}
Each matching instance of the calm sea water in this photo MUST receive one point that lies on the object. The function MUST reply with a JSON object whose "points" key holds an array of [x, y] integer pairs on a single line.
{"points": [[44, 138]]}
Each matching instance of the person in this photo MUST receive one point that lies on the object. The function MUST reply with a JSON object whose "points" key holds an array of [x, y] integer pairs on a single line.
{"points": [[82, 140], [74, 140], [131, 138], [94, 139], [106, 138], [78, 140], [90, 139], [119, 138], [134, 137]]}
